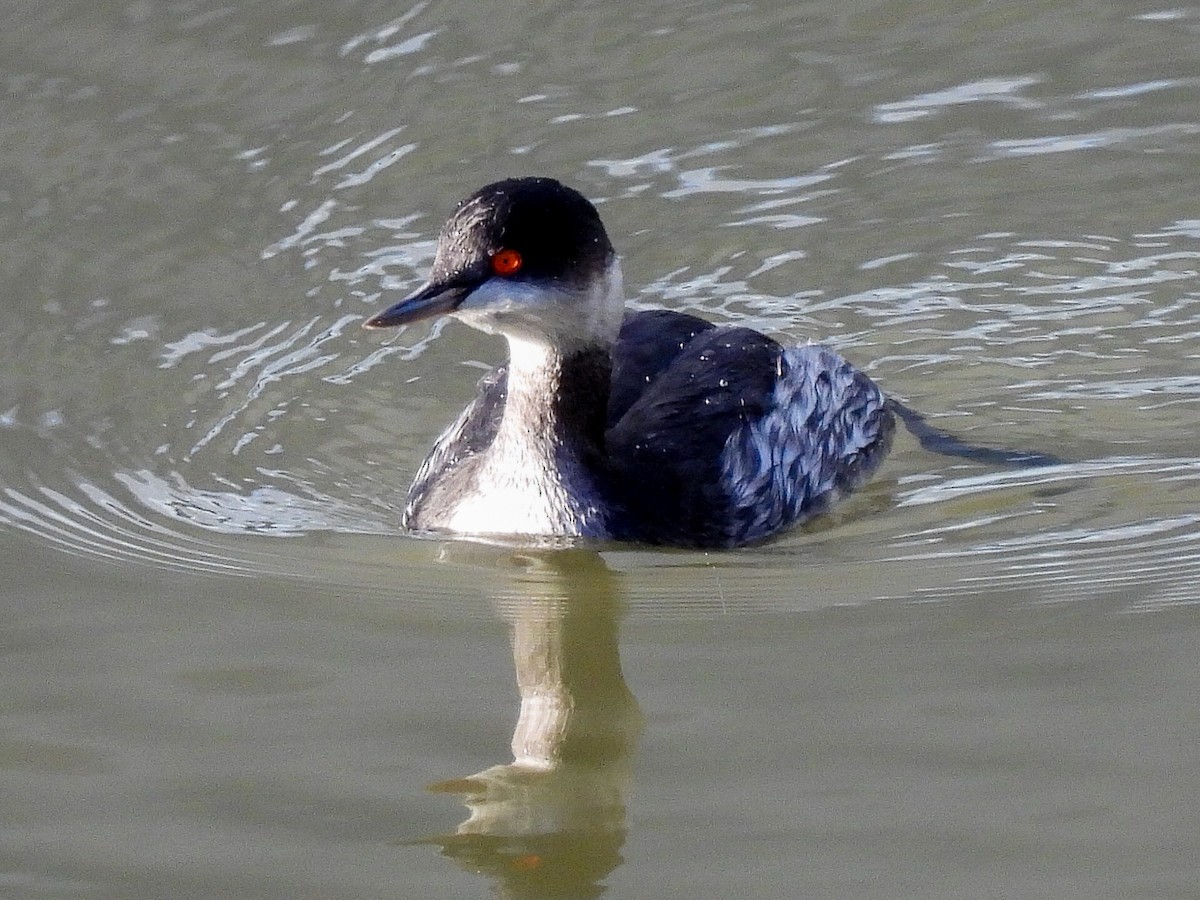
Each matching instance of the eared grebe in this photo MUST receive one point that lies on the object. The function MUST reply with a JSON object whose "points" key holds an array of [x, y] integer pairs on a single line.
{"points": [[656, 427]]}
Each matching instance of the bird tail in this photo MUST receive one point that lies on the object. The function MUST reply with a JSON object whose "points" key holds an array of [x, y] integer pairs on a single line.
{"points": [[942, 442]]}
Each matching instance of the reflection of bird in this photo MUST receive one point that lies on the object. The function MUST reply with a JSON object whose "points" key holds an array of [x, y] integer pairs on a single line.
{"points": [[653, 426], [552, 822]]}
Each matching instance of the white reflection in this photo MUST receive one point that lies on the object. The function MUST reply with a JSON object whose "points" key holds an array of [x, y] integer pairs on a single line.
{"points": [[555, 816]]}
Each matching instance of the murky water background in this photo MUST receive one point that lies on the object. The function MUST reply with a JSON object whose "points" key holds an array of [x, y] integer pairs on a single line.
{"points": [[224, 673]]}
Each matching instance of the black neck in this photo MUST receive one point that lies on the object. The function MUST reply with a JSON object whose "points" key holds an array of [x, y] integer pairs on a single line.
{"points": [[581, 398]]}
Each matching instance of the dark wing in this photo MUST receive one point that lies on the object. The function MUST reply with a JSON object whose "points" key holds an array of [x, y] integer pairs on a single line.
{"points": [[649, 342], [738, 439], [446, 468], [665, 452]]}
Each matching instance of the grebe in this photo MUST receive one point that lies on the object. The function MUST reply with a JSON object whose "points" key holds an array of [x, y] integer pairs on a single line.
{"points": [[654, 427]]}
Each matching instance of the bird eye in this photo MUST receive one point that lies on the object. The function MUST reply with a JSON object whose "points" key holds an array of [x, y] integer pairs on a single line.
{"points": [[507, 262]]}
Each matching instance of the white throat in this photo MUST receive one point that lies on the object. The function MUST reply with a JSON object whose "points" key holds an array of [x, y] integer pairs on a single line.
{"points": [[532, 481], [558, 316]]}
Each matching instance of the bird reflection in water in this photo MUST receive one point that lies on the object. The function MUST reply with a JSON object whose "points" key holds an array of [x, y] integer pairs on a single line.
{"points": [[552, 822]]}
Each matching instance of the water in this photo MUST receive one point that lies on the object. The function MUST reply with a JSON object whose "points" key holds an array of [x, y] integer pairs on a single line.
{"points": [[224, 671]]}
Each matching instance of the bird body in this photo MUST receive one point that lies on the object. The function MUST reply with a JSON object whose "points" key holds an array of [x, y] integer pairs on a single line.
{"points": [[654, 427]]}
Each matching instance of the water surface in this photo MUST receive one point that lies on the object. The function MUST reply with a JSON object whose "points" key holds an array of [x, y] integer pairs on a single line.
{"points": [[226, 672]]}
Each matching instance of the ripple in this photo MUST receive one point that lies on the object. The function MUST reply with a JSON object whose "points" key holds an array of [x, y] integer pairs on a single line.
{"points": [[1091, 140], [1097, 551], [991, 90], [263, 509], [390, 157], [1047, 535], [93, 523], [1136, 89], [241, 502], [242, 426], [385, 33]]}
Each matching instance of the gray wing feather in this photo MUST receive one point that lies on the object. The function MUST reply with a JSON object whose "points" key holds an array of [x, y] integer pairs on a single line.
{"points": [[446, 468], [824, 433]]}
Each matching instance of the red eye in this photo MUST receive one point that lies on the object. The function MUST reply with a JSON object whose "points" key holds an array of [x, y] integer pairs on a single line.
{"points": [[507, 262]]}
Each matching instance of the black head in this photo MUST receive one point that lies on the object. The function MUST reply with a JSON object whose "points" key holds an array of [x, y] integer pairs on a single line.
{"points": [[532, 231]]}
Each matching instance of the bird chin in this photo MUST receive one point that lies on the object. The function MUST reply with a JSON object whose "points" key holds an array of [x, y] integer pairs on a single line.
{"points": [[496, 306], [480, 319], [527, 313]]}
